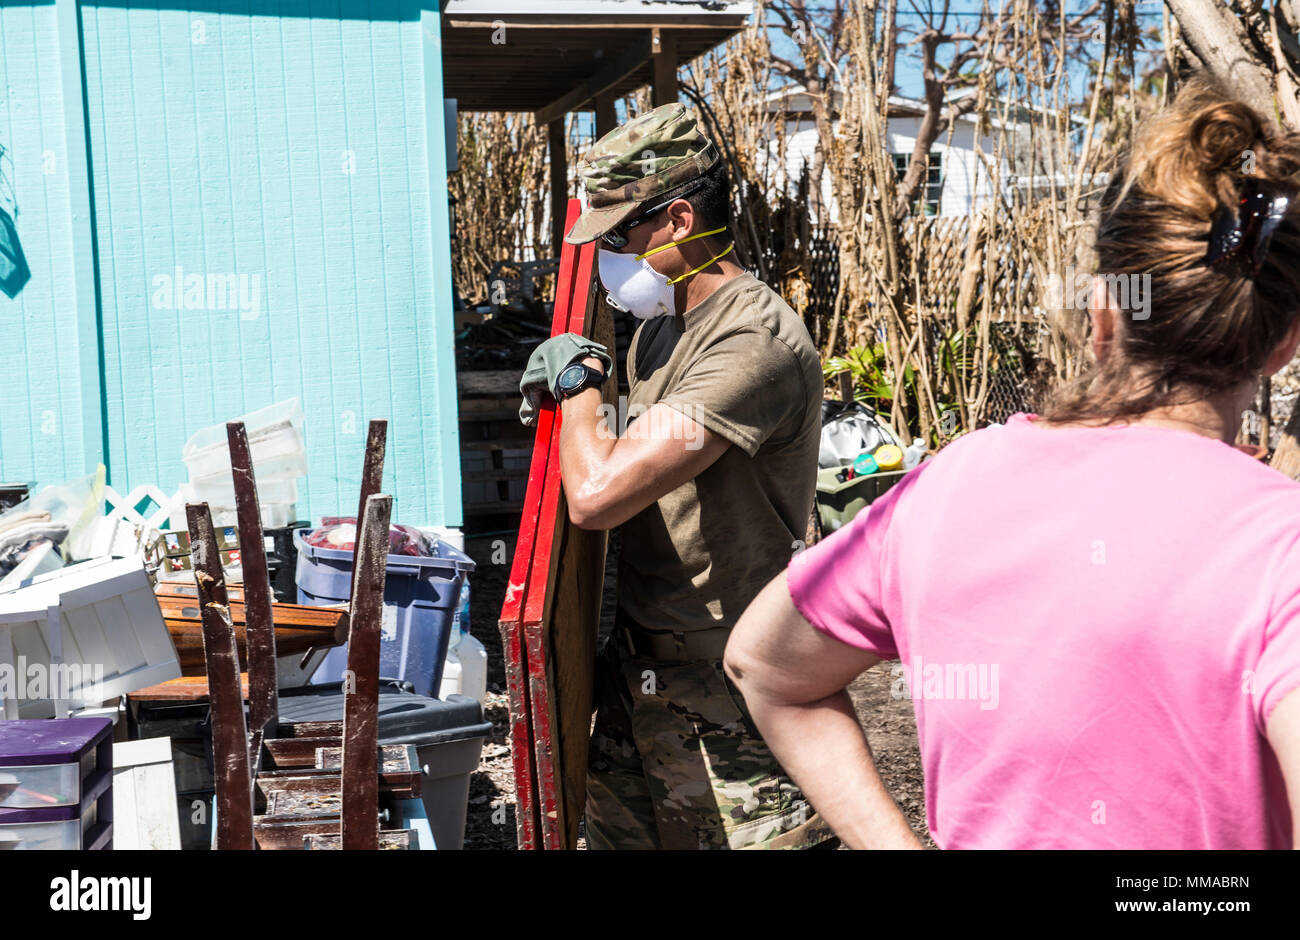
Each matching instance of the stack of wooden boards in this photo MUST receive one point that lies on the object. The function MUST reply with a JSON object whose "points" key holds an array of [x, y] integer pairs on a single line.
{"points": [[494, 446], [551, 613]]}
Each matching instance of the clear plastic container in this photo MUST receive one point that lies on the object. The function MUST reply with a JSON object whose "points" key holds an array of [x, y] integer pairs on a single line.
{"points": [[274, 515], [274, 434], [221, 491], [41, 786], [287, 467]]}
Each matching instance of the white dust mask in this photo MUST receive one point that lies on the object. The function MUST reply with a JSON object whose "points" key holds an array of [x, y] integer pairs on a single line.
{"points": [[639, 289]]}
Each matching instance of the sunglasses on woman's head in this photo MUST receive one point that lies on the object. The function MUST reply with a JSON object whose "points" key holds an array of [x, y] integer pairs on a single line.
{"points": [[617, 236], [1240, 238]]}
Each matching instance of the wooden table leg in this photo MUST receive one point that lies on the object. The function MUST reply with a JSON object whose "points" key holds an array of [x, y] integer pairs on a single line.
{"points": [[361, 687], [233, 777]]}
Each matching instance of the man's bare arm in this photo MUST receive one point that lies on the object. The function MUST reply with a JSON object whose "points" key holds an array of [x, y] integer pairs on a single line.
{"points": [[794, 680], [608, 479], [1284, 737]]}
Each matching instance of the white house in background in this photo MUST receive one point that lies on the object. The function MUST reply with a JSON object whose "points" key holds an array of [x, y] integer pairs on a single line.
{"points": [[958, 180]]}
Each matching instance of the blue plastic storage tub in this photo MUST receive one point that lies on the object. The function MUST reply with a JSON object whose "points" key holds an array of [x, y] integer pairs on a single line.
{"points": [[420, 598]]}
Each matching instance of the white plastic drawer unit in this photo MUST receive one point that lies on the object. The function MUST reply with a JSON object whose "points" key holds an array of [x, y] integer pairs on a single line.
{"points": [[80, 636]]}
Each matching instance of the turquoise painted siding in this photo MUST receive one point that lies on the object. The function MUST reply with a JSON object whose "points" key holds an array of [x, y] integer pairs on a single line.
{"points": [[42, 407], [271, 222]]}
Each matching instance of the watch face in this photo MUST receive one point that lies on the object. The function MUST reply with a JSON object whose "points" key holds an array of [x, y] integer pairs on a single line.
{"points": [[571, 377]]}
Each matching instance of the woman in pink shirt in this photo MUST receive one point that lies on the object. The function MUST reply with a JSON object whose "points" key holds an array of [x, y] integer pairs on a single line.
{"points": [[1097, 611]]}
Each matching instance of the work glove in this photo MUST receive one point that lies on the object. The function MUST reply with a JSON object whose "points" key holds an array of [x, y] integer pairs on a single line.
{"points": [[547, 362]]}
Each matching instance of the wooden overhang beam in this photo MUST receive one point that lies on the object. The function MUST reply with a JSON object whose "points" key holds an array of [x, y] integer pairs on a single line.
{"points": [[612, 74], [525, 14]]}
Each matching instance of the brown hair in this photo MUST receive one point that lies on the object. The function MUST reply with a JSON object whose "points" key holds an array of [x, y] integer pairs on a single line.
{"points": [[1206, 330]]}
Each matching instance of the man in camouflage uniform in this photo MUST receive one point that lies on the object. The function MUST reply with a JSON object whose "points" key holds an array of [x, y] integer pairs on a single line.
{"points": [[711, 482]]}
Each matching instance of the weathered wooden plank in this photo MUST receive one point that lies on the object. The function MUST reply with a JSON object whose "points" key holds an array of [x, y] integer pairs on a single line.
{"points": [[372, 473], [488, 383], [232, 773], [401, 784], [144, 796], [551, 614], [259, 626], [299, 751], [572, 623], [514, 644], [298, 628], [562, 613], [389, 839], [361, 693], [193, 689]]}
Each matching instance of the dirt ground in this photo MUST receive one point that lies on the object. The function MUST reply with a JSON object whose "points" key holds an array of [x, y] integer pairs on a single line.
{"points": [[890, 724]]}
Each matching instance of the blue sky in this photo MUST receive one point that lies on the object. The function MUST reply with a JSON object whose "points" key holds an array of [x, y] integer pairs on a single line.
{"points": [[965, 14]]}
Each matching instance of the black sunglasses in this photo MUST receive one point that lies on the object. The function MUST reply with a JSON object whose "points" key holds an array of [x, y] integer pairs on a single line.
{"points": [[617, 236], [1239, 239]]}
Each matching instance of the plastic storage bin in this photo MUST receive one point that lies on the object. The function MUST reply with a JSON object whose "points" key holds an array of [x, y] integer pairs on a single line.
{"points": [[421, 596], [447, 735], [838, 503], [56, 784]]}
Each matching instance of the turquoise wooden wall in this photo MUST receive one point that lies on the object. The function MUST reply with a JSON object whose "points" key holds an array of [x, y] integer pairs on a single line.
{"points": [[289, 159], [50, 421]]}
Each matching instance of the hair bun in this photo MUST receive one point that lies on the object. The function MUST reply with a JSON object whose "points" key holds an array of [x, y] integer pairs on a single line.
{"points": [[1226, 135]]}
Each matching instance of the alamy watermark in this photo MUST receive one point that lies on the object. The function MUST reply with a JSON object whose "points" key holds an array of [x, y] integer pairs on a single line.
{"points": [[179, 290], [951, 681], [640, 422], [1072, 290], [78, 682]]}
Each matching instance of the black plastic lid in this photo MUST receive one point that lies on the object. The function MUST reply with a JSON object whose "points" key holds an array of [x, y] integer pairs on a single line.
{"points": [[404, 717]]}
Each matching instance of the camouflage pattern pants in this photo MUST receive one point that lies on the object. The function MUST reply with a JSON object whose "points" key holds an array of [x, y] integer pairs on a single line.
{"points": [[676, 763]]}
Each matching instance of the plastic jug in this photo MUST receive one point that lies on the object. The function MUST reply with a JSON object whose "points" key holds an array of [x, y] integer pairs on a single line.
{"points": [[915, 451]]}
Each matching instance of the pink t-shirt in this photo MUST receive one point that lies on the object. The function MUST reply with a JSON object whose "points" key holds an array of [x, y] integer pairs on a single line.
{"points": [[1095, 623]]}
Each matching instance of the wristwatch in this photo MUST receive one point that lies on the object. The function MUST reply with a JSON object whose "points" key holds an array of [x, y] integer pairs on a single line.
{"points": [[576, 377]]}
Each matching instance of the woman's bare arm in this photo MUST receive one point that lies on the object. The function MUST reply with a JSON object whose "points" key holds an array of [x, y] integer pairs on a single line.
{"points": [[794, 677], [1284, 737]]}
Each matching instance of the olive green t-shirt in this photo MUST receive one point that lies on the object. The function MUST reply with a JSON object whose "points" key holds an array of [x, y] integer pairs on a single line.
{"points": [[742, 365]]}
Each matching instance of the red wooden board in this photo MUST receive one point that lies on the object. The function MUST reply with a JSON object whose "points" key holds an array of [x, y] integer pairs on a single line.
{"points": [[522, 743], [554, 671]]}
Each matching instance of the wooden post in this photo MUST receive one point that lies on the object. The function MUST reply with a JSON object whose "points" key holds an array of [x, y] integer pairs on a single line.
{"points": [[559, 183], [259, 621], [360, 761], [233, 778], [606, 117], [664, 88], [846, 387]]}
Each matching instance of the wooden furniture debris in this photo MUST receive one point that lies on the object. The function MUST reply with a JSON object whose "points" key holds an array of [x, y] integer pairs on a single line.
{"points": [[144, 795], [230, 745], [299, 628], [550, 618], [95, 625], [299, 785]]}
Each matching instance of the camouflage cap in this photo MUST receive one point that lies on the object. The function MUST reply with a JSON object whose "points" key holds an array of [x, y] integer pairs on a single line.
{"points": [[631, 165]]}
